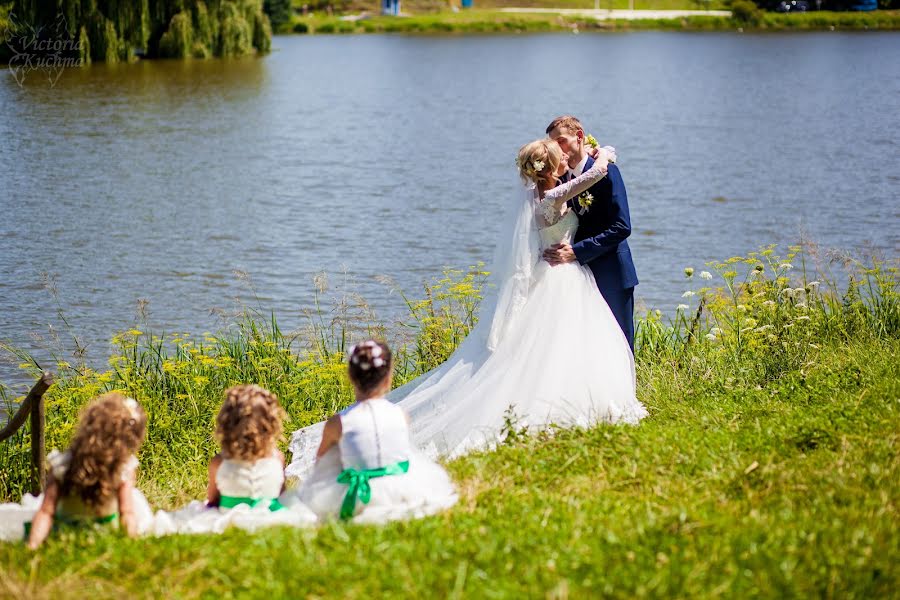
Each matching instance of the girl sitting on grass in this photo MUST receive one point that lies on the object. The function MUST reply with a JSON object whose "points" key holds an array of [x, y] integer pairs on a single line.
{"points": [[247, 476], [366, 468], [93, 482]]}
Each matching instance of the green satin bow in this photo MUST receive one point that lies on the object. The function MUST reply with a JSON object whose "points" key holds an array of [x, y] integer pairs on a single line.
{"points": [[358, 480], [232, 501]]}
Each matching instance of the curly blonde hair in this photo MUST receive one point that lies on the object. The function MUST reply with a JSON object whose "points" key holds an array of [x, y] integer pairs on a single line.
{"points": [[538, 161], [110, 431], [249, 422]]}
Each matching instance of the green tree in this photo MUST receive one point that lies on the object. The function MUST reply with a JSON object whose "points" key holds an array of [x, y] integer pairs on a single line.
{"points": [[279, 12], [115, 30]]}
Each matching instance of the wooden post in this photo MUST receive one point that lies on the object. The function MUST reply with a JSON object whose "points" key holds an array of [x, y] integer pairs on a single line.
{"points": [[38, 452]]}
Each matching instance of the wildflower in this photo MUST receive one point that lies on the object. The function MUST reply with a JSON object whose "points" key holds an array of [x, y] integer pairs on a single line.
{"points": [[658, 313], [799, 291], [688, 272], [787, 325], [769, 303], [200, 380], [813, 285], [802, 318], [715, 331], [742, 307], [25, 366], [801, 305], [814, 346], [687, 294], [772, 337], [711, 337], [787, 292], [705, 275], [682, 307], [135, 332], [751, 323], [63, 364], [764, 328], [786, 266]]}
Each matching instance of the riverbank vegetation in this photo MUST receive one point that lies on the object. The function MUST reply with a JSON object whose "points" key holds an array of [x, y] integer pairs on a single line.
{"points": [[488, 21], [120, 30], [768, 465]]}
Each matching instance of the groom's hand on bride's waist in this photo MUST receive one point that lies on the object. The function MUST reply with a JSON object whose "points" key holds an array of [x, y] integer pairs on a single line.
{"points": [[558, 254]]}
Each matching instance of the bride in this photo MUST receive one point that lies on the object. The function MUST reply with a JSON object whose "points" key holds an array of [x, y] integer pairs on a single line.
{"points": [[546, 349]]}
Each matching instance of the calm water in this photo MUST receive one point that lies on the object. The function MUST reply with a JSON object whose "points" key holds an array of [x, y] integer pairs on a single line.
{"points": [[380, 155]]}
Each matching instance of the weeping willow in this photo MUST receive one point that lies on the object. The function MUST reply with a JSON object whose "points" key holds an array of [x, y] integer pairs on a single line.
{"points": [[117, 30]]}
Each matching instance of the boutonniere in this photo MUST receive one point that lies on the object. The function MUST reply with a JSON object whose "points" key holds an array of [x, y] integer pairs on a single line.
{"points": [[591, 141], [584, 202]]}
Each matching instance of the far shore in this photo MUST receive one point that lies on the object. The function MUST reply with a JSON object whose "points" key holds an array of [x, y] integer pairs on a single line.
{"points": [[524, 20]]}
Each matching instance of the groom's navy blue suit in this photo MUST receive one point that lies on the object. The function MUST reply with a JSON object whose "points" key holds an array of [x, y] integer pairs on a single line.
{"points": [[600, 243]]}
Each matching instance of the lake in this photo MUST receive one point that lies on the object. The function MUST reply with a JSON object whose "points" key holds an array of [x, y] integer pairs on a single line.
{"points": [[192, 184]]}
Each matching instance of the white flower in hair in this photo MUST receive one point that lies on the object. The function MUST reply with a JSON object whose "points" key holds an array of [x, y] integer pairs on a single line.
{"points": [[132, 406], [365, 366], [378, 362], [538, 165], [376, 351]]}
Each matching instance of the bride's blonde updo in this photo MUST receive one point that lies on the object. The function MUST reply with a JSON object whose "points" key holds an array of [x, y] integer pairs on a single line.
{"points": [[538, 161]]}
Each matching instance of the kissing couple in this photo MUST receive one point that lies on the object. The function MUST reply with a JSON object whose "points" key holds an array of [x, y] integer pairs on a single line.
{"points": [[555, 336]]}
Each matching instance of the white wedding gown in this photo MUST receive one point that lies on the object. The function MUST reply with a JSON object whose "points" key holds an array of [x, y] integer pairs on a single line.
{"points": [[546, 350]]}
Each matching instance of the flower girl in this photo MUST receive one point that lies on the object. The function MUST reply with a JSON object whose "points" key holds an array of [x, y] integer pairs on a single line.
{"points": [[247, 477], [366, 469], [93, 482]]}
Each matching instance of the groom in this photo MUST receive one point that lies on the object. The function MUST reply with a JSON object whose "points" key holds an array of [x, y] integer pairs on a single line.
{"points": [[603, 226]]}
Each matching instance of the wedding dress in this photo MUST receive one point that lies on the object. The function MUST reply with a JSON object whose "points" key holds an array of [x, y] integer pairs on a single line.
{"points": [[546, 349]]}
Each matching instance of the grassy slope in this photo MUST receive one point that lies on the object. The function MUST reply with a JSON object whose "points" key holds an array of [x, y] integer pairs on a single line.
{"points": [[789, 489]]}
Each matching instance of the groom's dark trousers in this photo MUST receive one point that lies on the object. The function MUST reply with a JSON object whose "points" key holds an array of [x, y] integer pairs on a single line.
{"points": [[601, 244]]}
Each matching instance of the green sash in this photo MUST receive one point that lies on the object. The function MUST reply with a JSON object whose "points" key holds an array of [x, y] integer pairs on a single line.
{"points": [[232, 501], [65, 521], [358, 480]]}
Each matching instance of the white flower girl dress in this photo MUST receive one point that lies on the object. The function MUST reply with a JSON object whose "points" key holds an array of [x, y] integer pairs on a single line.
{"points": [[374, 474], [71, 511], [248, 500]]}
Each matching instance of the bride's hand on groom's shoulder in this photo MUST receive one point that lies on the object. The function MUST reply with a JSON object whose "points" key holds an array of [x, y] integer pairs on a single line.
{"points": [[607, 153]]}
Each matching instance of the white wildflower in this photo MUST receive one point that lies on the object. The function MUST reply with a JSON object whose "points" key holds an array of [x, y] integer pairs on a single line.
{"points": [[787, 292], [801, 305], [786, 266], [705, 275], [799, 291], [658, 313], [742, 307], [687, 294], [813, 285], [715, 331], [711, 337], [769, 303], [751, 323], [772, 337], [802, 318], [764, 328], [682, 307]]}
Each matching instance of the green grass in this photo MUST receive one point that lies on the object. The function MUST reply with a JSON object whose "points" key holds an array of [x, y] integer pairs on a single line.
{"points": [[492, 21], [768, 465]]}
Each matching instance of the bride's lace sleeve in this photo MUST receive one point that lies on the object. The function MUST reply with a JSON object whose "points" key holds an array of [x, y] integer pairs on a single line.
{"points": [[573, 187]]}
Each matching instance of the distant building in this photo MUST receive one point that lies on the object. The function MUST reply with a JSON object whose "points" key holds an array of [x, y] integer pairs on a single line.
{"points": [[390, 7]]}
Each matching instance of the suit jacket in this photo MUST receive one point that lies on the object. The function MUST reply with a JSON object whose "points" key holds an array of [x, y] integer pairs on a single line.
{"points": [[601, 240]]}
